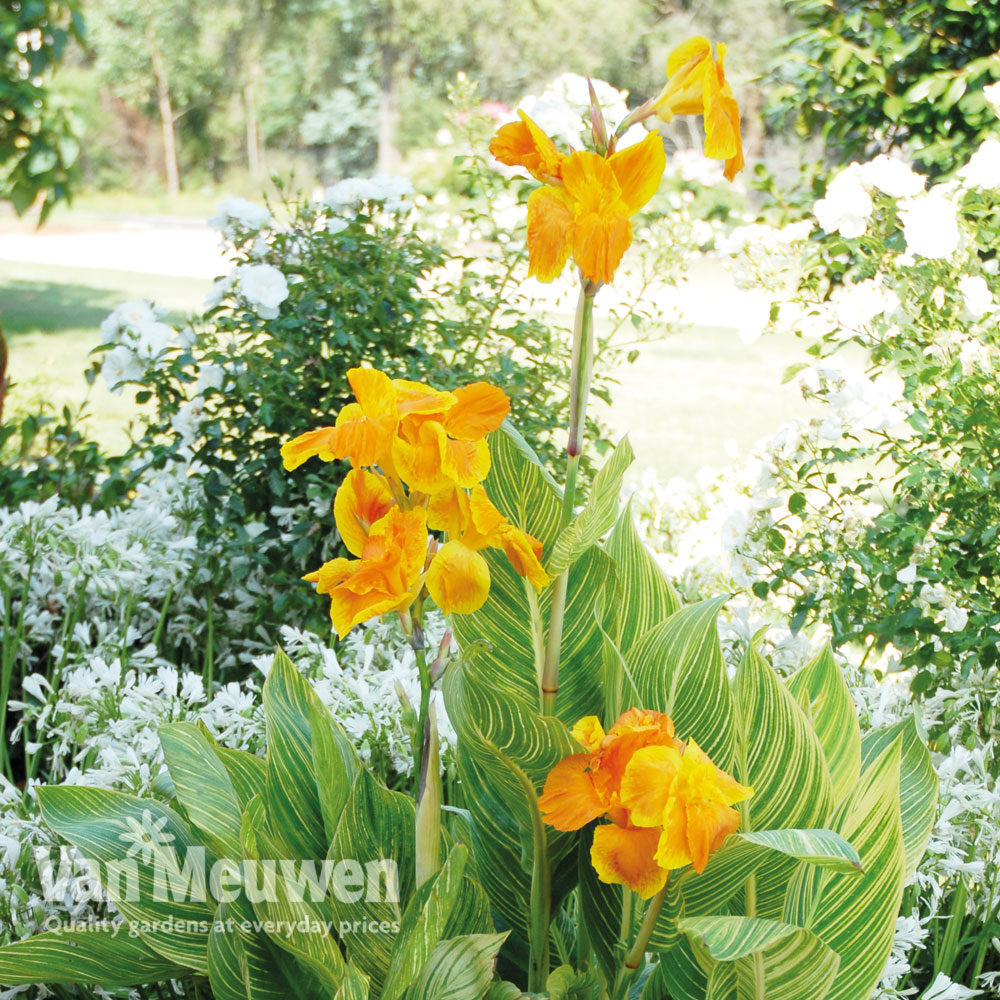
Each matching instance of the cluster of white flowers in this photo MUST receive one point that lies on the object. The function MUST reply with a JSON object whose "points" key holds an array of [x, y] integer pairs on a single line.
{"points": [[237, 217], [352, 192], [137, 340]]}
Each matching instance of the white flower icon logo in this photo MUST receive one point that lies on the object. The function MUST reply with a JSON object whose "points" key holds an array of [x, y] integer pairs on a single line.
{"points": [[146, 839]]}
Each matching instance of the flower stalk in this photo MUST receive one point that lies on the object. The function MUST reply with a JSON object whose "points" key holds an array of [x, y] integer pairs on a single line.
{"points": [[581, 373], [428, 838], [637, 953]]}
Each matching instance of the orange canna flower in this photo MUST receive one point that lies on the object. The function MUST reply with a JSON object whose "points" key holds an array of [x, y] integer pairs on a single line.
{"points": [[660, 818], [524, 144], [387, 577], [589, 216], [696, 85], [362, 500], [458, 577]]}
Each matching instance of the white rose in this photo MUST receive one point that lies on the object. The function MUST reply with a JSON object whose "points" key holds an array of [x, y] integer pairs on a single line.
{"points": [[858, 304], [930, 226], [908, 574], [847, 206], [120, 365], [187, 419], [152, 339], [264, 287], [239, 213], [976, 294], [209, 377], [992, 95], [892, 177], [956, 618], [983, 168]]}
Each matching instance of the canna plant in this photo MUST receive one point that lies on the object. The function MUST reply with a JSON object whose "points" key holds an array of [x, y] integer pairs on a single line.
{"points": [[628, 819]]}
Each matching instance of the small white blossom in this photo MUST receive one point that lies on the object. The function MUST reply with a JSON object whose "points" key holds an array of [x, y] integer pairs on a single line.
{"points": [[892, 177], [992, 95], [976, 294], [956, 618], [930, 226], [983, 168], [120, 365], [263, 287], [187, 420], [857, 305], [234, 214], [847, 206], [128, 317], [210, 376], [908, 574]]}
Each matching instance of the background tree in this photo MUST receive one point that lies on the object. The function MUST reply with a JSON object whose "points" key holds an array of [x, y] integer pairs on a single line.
{"points": [[38, 145], [870, 75]]}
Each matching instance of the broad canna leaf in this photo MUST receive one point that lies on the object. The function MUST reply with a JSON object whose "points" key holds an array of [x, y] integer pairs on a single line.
{"points": [[460, 968], [509, 629], [598, 515], [294, 813], [141, 838], [678, 669], [377, 831], [779, 754], [424, 923], [821, 691], [103, 954], [856, 915], [247, 772], [203, 787], [335, 762], [918, 786], [354, 987], [647, 597]]}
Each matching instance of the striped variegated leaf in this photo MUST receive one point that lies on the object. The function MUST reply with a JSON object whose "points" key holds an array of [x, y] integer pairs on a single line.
{"points": [[203, 787], [376, 834], [101, 955], [460, 968], [598, 515], [292, 802], [335, 763], [678, 669], [247, 772], [148, 861], [647, 597], [856, 915], [769, 958], [508, 631], [821, 691], [286, 904], [779, 754], [244, 965], [424, 923], [918, 786], [354, 987]]}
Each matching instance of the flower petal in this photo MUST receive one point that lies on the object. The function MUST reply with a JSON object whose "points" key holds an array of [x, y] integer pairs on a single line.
{"points": [[479, 408], [647, 781], [569, 800], [362, 499], [458, 579], [639, 169], [321, 442], [525, 554], [589, 732], [625, 856], [524, 144], [708, 825], [550, 232]]}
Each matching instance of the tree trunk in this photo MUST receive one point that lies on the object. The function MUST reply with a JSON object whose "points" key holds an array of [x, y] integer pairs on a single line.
{"points": [[388, 114], [753, 124], [255, 155], [167, 119], [3, 373]]}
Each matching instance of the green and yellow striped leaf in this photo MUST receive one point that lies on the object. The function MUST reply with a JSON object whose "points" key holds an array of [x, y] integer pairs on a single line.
{"points": [[424, 923], [102, 955], [598, 515], [247, 772], [779, 754], [508, 628], [169, 865], [821, 691], [335, 763], [678, 669], [856, 915], [354, 986], [918, 786], [301, 926], [203, 787], [729, 938], [244, 965], [460, 968], [294, 813], [647, 596]]}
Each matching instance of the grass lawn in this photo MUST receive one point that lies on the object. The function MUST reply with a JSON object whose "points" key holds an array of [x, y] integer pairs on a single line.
{"points": [[680, 402], [50, 318]]}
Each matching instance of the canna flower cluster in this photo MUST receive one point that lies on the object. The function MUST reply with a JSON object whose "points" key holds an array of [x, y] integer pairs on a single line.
{"points": [[587, 201], [419, 457], [696, 85], [667, 803]]}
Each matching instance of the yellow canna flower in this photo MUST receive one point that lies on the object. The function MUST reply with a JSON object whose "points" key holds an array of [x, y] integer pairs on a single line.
{"points": [[387, 577], [696, 85], [524, 144], [589, 215], [667, 803], [458, 577], [688, 798], [362, 500]]}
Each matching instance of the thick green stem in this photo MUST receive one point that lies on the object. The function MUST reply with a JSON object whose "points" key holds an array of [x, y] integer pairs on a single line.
{"points": [[415, 633], [637, 952], [757, 958], [428, 831], [541, 908], [580, 377]]}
